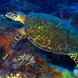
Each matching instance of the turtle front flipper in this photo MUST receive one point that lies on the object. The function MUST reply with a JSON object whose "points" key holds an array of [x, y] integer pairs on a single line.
{"points": [[74, 57], [19, 35]]}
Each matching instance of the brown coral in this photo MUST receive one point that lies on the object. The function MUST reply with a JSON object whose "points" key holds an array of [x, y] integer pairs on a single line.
{"points": [[5, 41], [55, 73]]}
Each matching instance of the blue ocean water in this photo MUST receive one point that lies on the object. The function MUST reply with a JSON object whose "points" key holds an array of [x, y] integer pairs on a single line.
{"points": [[66, 10]]}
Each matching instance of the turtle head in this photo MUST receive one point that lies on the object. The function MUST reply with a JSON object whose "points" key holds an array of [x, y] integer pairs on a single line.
{"points": [[12, 15], [16, 16]]}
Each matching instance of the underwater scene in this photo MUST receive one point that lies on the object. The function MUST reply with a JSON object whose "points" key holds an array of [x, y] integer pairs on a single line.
{"points": [[38, 38]]}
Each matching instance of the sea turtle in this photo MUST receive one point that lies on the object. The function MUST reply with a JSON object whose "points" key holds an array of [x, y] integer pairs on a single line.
{"points": [[48, 33]]}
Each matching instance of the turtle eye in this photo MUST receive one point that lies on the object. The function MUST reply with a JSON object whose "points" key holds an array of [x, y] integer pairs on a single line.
{"points": [[12, 15]]}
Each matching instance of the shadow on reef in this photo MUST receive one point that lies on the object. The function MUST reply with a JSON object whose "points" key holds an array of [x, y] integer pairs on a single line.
{"points": [[59, 60]]}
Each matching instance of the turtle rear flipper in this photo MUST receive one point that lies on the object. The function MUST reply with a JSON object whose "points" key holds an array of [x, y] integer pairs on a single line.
{"points": [[74, 57]]}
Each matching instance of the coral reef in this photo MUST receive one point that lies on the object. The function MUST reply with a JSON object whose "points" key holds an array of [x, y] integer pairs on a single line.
{"points": [[24, 61], [56, 73], [66, 74], [17, 75], [6, 43], [75, 71], [28, 61]]}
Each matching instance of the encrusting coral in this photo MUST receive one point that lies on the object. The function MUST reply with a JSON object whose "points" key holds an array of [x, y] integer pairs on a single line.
{"points": [[66, 74]]}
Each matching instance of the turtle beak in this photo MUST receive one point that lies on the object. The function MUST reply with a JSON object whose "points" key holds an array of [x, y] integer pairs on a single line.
{"points": [[6, 15], [9, 15]]}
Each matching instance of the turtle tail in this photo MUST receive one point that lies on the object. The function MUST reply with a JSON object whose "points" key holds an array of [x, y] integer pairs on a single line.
{"points": [[74, 57]]}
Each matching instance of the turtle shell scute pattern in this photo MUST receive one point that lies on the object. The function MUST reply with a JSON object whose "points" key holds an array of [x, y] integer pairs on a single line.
{"points": [[50, 34]]}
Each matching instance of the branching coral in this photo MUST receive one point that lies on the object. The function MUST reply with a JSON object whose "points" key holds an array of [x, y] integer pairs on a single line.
{"points": [[24, 60]]}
